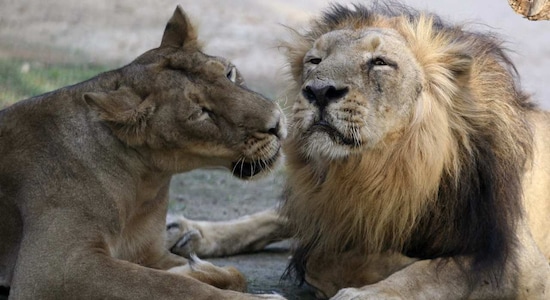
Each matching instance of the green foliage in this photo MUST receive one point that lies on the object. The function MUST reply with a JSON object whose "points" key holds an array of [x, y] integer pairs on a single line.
{"points": [[20, 80]]}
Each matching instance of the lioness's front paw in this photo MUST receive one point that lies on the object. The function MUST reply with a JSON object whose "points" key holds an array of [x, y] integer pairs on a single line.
{"points": [[226, 278], [365, 294], [182, 238]]}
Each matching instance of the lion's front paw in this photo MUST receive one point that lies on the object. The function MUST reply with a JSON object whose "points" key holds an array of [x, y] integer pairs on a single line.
{"points": [[182, 238], [366, 294], [227, 278]]}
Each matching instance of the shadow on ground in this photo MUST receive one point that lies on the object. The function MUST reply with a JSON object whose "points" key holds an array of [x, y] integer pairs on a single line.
{"points": [[263, 271]]}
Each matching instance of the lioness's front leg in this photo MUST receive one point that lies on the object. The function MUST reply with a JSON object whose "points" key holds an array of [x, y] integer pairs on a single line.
{"points": [[212, 239], [227, 278], [85, 269]]}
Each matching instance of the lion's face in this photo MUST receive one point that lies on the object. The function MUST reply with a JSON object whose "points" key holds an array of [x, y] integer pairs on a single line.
{"points": [[357, 92], [184, 109]]}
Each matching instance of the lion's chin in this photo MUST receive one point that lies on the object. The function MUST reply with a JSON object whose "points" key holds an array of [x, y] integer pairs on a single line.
{"points": [[320, 146], [323, 128], [247, 169], [327, 143]]}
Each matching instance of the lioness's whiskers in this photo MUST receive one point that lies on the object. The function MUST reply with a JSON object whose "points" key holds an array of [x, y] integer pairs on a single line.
{"points": [[236, 164]]}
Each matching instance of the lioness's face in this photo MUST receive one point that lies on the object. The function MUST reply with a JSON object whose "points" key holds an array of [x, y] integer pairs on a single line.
{"points": [[185, 109], [206, 112], [357, 89]]}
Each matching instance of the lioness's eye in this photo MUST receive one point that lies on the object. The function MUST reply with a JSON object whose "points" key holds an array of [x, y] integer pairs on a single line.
{"points": [[201, 114], [315, 61], [232, 74]]}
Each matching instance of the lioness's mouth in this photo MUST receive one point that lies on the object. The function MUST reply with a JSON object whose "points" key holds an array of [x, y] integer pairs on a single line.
{"points": [[246, 169], [334, 134]]}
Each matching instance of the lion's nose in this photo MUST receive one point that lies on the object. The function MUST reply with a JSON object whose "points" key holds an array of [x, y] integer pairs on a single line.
{"points": [[322, 94]]}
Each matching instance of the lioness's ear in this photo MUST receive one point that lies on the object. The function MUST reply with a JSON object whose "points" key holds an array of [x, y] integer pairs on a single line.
{"points": [[179, 30], [125, 112], [122, 106]]}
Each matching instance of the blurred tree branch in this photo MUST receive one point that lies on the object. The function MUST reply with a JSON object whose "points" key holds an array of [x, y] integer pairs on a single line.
{"points": [[532, 9]]}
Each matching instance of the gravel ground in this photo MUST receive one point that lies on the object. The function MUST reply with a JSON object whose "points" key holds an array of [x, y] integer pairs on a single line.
{"points": [[217, 195]]}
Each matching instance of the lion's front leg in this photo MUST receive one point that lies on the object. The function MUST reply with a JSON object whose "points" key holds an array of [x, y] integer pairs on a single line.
{"points": [[525, 276], [212, 239], [425, 279], [353, 268]]}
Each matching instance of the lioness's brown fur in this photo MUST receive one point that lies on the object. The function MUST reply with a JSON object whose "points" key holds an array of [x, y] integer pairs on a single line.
{"points": [[85, 171]]}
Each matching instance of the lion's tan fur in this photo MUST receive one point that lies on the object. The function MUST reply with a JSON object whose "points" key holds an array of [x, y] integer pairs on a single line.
{"points": [[536, 187], [373, 198], [428, 148]]}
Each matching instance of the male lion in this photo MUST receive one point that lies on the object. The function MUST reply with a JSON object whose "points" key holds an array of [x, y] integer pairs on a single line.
{"points": [[418, 168], [85, 171]]}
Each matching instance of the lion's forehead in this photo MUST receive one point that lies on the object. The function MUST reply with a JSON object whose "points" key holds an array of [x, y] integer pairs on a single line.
{"points": [[347, 58], [350, 47], [365, 38]]}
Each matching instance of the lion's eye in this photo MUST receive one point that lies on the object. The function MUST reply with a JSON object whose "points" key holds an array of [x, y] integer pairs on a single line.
{"points": [[232, 74], [315, 61], [378, 61]]}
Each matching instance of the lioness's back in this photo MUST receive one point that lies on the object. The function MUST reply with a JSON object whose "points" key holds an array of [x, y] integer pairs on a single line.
{"points": [[41, 128], [27, 144]]}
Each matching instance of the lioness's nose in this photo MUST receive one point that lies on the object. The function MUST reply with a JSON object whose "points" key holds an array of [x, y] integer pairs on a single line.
{"points": [[322, 93], [276, 125]]}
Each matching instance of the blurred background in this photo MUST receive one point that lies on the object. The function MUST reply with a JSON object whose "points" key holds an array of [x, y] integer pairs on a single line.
{"points": [[48, 44], [45, 44]]}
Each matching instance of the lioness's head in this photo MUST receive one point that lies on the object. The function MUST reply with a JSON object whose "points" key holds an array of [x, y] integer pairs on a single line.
{"points": [[184, 109]]}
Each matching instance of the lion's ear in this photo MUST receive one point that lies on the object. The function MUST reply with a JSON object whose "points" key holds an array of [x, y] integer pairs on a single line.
{"points": [[179, 30], [460, 65], [125, 112]]}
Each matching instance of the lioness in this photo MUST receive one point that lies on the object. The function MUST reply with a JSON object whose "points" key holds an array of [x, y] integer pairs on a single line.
{"points": [[417, 167], [85, 171]]}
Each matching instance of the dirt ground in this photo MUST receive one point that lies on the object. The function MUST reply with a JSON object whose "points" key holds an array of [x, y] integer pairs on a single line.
{"points": [[114, 32], [217, 195]]}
